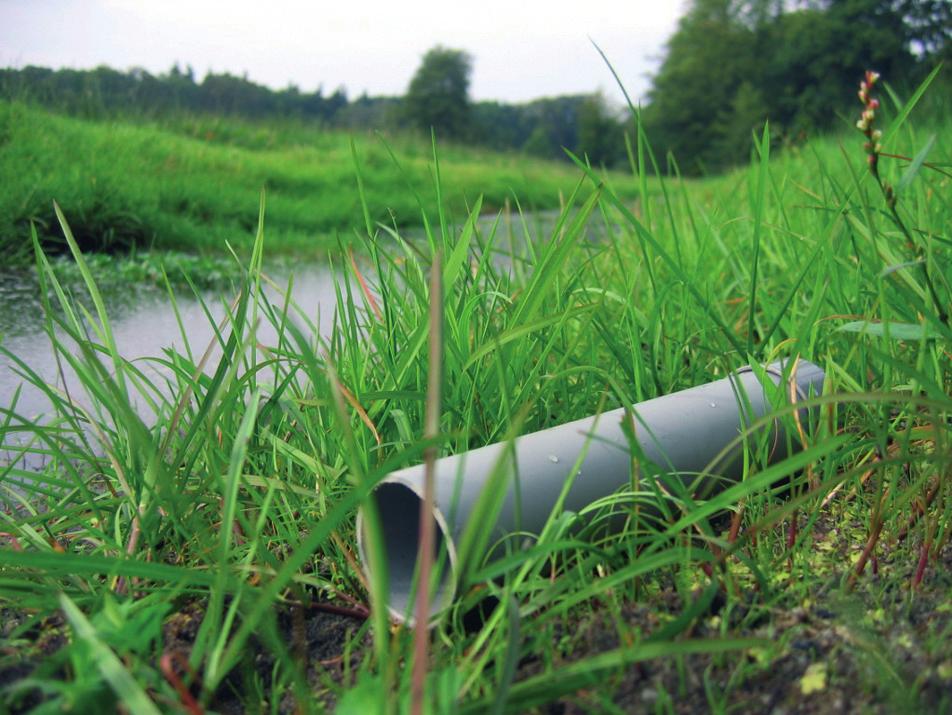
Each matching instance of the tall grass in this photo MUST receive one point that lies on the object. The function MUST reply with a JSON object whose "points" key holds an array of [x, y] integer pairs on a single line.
{"points": [[190, 555]]}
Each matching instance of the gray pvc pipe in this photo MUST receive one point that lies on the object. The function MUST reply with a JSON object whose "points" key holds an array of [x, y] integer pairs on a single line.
{"points": [[684, 433]]}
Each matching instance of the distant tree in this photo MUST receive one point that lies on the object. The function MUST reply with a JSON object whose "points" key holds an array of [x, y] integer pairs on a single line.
{"points": [[819, 53], [929, 27], [539, 144], [228, 94], [551, 124], [181, 92], [923, 27], [731, 64], [600, 136], [708, 58], [438, 95], [498, 125], [367, 112], [738, 122]]}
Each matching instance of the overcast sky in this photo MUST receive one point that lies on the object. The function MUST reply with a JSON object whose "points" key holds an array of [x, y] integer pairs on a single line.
{"points": [[521, 50]]}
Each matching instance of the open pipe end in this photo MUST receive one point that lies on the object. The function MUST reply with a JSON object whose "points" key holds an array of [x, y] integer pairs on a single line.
{"points": [[398, 509]]}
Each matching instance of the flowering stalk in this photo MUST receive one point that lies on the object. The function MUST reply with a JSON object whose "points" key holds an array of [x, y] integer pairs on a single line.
{"points": [[874, 149], [873, 146]]}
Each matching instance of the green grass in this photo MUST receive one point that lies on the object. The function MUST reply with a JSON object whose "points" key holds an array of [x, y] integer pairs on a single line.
{"points": [[192, 562], [192, 184]]}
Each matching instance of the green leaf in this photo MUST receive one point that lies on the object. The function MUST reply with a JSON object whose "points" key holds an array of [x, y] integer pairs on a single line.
{"points": [[55, 564], [888, 270], [523, 330], [367, 696], [913, 168], [908, 106], [455, 260], [104, 325], [889, 329], [119, 679]]}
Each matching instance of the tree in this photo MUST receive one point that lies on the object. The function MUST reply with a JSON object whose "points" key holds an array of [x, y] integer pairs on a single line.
{"points": [[600, 134], [708, 58], [739, 121], [924, 26], [552, 125], [929, 24], [438, 95], [733, 63], [812, 74]]}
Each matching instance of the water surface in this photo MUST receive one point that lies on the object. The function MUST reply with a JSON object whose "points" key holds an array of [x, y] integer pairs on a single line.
{"points": [[143, 324]]}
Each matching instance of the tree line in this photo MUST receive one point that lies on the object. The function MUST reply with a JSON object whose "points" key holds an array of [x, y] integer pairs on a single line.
{"points": [[540, 127], [734, 64], [730, 66]]}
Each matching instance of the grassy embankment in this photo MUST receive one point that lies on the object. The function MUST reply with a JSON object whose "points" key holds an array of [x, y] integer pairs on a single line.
{"points": [[191, 184], [208, 561]]}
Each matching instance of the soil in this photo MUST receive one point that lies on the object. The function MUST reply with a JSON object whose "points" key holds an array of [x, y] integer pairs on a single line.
{"points": [[877, 649], [317, 640], [881, 648]]}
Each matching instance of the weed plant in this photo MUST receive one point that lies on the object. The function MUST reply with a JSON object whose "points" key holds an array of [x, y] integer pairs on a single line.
{"points": [[206, 562]]}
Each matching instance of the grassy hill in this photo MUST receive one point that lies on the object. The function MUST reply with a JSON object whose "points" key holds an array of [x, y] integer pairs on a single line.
{"points": [[193, 183]]}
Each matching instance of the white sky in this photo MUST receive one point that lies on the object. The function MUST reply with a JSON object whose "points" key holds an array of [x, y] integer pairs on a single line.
{"points": [[521, 50]]}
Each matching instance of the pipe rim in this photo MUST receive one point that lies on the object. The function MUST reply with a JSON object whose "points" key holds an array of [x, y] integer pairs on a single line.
{"points": [[447, 590]]}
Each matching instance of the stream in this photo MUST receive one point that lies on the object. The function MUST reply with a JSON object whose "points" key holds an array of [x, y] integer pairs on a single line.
{"points": [[143, 325]]}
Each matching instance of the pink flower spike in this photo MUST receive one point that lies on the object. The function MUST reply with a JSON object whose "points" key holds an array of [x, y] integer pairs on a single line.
{"points": [[874, 104]]}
